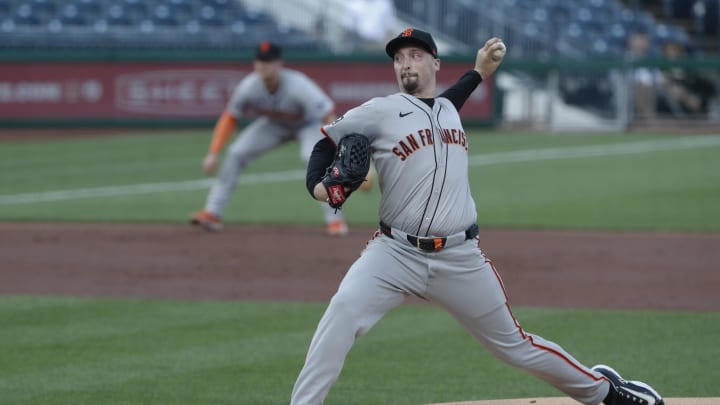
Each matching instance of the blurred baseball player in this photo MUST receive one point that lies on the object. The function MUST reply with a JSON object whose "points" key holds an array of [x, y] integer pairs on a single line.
{"points": [[285, 105], [427, 242]]}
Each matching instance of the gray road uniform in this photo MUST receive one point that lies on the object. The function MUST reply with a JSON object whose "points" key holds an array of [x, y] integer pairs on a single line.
{"points": [[427, 247], [294, 111]]}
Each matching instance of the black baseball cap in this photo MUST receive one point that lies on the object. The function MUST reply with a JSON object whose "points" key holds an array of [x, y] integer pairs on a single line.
{"points": [[267, 51], [412, 36]]}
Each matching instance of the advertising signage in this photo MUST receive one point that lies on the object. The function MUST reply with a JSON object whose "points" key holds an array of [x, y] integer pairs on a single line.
{"points": [[192, 91]]}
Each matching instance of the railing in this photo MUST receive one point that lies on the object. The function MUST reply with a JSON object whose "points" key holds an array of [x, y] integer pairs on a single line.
{"points": [[610, 95]]}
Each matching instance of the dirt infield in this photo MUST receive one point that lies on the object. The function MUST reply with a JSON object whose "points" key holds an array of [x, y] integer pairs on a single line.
{"points": [[660, 271]]}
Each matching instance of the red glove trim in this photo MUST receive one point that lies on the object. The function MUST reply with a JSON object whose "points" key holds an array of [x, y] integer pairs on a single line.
{"points": [[336, 194]]}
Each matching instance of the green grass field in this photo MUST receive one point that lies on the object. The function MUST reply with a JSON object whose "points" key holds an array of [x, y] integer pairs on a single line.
{"points": [[89, 351], [519, 180], [100, 351]]}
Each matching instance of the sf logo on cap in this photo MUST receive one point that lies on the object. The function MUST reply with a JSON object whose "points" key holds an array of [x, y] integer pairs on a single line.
{"points": [[407, 32]]}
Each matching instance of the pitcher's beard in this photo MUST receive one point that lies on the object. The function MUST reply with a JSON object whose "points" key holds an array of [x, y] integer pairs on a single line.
{"points": [[410, 85]]}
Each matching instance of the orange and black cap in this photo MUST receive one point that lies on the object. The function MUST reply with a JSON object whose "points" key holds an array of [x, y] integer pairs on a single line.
{"points": [[267, 51], [412, 36]]}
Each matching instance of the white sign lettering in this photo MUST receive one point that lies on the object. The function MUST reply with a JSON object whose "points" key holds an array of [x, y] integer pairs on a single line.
{"points": [[176, 92]]}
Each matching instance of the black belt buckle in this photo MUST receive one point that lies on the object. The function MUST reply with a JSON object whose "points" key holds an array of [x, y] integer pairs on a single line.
{"points": [[427, 244]]}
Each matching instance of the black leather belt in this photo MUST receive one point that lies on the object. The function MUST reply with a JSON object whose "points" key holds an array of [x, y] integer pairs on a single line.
{"points": [[429, 244]]}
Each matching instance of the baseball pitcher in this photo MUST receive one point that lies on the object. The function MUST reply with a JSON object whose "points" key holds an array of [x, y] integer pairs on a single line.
{"points": [[427, 242]]}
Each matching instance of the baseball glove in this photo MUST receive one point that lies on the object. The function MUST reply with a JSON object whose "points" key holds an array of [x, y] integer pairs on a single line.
{"points": [[348, 170]]}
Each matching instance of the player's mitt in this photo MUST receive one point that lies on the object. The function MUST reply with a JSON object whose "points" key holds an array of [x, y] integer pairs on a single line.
{"points": [[348, 170]]}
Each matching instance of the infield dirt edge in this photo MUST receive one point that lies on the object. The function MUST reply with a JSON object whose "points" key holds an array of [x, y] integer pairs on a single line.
{"points": [[568, 401]]}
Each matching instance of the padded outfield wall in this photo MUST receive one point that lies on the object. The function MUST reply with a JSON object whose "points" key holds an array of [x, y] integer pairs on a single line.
{"points": [[181, 89], [151, 88]]}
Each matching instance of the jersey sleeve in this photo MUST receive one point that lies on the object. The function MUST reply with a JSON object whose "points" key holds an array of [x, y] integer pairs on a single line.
{"points": [[316, 103], [238, 98], [362, 119]]}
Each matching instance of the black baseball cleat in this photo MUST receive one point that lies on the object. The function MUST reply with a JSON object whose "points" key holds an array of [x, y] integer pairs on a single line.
{"points": [[623, 392]]}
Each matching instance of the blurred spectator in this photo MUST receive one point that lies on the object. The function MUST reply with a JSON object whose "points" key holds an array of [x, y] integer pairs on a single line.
{"points": [[683, 92], [644, 80], [369, 24]]}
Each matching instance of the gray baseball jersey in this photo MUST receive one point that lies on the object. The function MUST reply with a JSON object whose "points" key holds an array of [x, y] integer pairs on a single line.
{"points": [[297, 102], [427, 247], [422, 155], [294, 111]]}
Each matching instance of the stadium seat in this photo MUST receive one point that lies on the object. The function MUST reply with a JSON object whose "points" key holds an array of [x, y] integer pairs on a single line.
{"points": [[24, 16], [116, 16], [162, 16], [70, 16], [210, 17], [43, 9], [140, 24], [136, 10], [542, 27], [4, 9], [90, 9], [182, 10], [617, 38], [256, 17]]}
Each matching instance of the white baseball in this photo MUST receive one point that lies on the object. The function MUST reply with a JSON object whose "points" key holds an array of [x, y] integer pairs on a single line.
{"points": [[498, 54]]}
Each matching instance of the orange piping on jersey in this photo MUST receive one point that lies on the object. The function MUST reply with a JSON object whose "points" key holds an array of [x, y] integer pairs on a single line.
{"points": [[223, 129], [524, 335], [328, 136]]}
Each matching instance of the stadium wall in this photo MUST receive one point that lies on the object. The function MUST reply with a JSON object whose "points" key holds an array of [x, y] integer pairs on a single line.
{"points": [[139, 89], [189, 88]]}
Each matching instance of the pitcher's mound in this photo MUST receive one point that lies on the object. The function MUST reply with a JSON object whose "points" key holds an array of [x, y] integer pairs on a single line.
{"points": [[568, 401]]}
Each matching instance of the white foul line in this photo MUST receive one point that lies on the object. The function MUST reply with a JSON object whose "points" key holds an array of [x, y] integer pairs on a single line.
{"points": [[293, 175], [144, 188], [595, 150]]}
